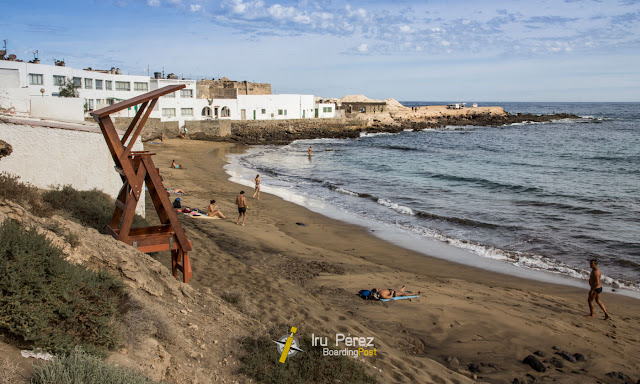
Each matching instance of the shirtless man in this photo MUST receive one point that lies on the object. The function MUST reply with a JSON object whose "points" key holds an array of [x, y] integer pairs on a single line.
{"points": [[596, 289], [242, 207], [257, 183], [214, 210], [175, 165], [309, 151], [391, 293]]}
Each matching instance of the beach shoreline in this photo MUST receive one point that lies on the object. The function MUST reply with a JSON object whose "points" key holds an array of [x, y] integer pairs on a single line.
{"points": [[475, 316]]}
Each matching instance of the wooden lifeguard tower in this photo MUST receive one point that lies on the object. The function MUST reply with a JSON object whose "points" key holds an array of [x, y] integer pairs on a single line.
{"points": [[137, 169]]}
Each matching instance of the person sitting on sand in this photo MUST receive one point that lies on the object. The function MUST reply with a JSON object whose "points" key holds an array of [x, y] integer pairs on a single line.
{"points": [[257, 183], [391, 293], [177, 191], [242, 208], [175, 165], [596, 289], [214, 210]]}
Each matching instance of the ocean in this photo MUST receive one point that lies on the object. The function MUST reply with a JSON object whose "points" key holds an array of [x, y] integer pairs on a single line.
{"points": [[536, 196]]}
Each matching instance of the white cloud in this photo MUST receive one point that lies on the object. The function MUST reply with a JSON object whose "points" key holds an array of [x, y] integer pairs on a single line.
{"points": [[153, 3], [363, 48], [195, 7], [406, 28]]}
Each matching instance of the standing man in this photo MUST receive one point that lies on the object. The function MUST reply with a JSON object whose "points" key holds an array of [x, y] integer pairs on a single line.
{"points": [[596, 289], [309, 151], [242, 208]]}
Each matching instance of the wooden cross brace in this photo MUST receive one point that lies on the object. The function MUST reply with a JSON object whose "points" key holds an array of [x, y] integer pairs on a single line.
{"points": [[136, 169]]}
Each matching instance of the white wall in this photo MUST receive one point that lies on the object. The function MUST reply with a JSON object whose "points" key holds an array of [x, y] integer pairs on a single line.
{"points": [[326, 115], [48, 157], [294, 105], [57, 108]]}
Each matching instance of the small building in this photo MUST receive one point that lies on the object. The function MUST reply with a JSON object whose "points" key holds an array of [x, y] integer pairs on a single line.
{"points": [[367, 107]]}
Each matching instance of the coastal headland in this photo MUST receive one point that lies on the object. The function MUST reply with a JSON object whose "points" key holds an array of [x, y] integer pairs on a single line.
{"points": [[395, 118], [468, 325]]}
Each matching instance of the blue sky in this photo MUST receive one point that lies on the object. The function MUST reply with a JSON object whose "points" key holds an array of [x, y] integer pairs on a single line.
{"points": [[459, 50]]}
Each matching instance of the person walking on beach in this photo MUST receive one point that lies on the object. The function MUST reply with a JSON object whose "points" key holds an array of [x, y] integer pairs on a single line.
{"points": [[309, 151], [596, 289], [214, 210], [242, 208], [257, 183]]}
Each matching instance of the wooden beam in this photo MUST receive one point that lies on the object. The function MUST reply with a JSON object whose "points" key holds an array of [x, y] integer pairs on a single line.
{"points": [[106, 111]]}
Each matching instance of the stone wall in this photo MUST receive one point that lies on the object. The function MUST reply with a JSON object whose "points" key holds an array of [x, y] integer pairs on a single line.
{"points": [[152, 129], [224, 88], [208, 128]]}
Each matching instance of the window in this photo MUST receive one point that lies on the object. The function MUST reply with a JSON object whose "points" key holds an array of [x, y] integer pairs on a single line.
{"points": [[206, 111], [98, 84], [327, 109], [108, 85], [225, 112], [280, 111], [168, 112], [285, 112], [142, 87], [123, 86], [35, 79], [59, 80], [186, 111], [186, 93], [77, 82], [264, 111], [170, 95], [89, 106], [88, 83]]}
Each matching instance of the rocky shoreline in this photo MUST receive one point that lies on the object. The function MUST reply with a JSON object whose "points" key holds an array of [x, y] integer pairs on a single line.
{"points": [[286, 133]]}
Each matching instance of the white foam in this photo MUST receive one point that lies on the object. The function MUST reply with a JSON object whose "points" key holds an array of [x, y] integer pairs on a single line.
{"points": [[396, 207], [372, 134], [346, 192]]}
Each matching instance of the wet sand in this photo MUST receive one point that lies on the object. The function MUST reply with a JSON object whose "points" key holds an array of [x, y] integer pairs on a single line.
{"points": [[307, 276]]}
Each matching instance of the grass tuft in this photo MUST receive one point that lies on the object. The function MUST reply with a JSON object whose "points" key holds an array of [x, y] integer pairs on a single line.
{"points": [[48, 303], [11, 188], [79, 367], [90, 208]]}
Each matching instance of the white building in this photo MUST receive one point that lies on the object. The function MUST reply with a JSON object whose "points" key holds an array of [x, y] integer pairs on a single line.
{"points": [[98, 89]]}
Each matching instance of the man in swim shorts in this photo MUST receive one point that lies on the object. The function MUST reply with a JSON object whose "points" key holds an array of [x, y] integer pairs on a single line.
{"points": [[596, 289], [242, 208]]}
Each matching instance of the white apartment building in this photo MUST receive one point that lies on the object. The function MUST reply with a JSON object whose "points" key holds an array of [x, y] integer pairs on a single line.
{"points": [[98, 89]]}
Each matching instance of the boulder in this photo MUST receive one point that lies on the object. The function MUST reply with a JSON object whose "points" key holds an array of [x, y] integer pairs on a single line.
{"points": [[534, 363]]}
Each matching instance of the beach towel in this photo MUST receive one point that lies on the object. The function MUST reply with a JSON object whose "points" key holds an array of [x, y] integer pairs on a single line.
{"points": [[400, 298]]}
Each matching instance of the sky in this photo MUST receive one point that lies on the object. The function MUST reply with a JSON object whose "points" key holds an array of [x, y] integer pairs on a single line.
{"points": [[562, 50]]}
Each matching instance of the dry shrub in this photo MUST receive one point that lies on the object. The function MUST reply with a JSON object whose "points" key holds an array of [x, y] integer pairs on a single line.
{"points": [[25, 194]]}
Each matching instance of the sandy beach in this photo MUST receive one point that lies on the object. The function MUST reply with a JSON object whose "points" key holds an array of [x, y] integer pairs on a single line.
{"points": [[468, 324]]}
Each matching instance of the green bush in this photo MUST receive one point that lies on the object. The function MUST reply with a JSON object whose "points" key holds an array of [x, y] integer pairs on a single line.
{"points": [[91, 208], [79, 367], [260, 361], [49, 303], [11, 188]]}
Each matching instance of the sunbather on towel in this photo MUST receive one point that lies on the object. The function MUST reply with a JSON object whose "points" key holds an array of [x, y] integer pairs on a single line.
{"points": [[214, 210], [391, 293], [176, 191]]}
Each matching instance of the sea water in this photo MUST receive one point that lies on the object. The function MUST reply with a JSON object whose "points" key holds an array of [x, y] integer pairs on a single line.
{"points": [[537, 196]]}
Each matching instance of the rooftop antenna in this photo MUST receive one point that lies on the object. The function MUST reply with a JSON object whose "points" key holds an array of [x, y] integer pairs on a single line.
{"points": [[148, 70], [35, 55], [5, 44]]}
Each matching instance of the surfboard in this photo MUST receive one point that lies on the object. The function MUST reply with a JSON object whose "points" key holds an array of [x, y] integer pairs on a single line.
{"points": [[400, 298]]}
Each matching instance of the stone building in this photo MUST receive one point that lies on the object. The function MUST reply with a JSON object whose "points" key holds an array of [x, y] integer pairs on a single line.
{"points": [[230, 89]]}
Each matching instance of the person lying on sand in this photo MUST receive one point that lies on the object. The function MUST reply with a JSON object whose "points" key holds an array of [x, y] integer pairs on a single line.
{"points": [[176, 191], [391, 293], [214, 210], [175, 165]]}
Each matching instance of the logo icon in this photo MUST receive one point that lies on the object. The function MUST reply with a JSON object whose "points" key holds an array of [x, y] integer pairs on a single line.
{"points": [[288, 345]]}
